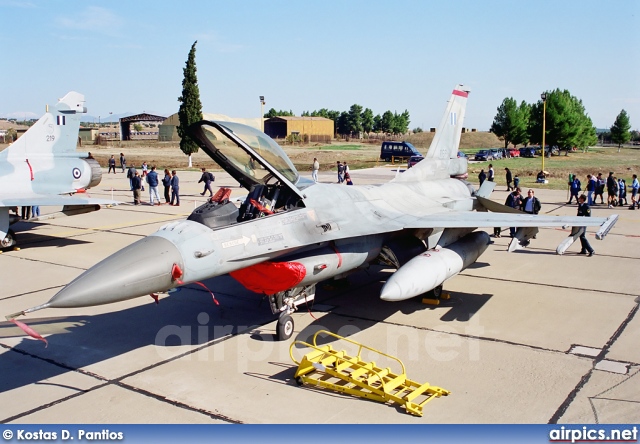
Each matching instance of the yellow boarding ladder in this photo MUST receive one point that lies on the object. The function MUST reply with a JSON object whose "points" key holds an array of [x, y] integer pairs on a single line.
{"points": [[325, 367]]}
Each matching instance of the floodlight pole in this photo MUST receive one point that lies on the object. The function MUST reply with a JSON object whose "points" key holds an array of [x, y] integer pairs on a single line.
{"points": [[262, 103], [544, 121]]}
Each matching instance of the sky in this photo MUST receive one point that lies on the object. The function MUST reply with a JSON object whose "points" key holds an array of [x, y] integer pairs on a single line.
{"points": [[128, 57]]}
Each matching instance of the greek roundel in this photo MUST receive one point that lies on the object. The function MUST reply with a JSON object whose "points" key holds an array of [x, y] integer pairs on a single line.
{"points": [[76, 173]]}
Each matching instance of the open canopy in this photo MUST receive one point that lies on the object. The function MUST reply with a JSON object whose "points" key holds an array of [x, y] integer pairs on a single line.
{"points": [[247, 154]]}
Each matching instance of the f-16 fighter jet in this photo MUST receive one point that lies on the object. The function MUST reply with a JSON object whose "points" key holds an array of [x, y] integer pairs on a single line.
{"points": [[291, 233], [43, 168]]}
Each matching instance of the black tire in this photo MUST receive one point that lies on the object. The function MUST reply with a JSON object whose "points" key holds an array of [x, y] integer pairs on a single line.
{"points": [[299, 381], [9, 240], [284, 328], [436, 292]]}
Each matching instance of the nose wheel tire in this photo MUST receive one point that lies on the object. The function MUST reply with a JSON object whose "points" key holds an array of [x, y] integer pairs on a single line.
{"points": [[284, 328]]}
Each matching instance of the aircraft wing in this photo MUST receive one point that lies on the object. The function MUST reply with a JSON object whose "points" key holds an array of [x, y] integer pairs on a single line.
{"points": [[474, 219]]}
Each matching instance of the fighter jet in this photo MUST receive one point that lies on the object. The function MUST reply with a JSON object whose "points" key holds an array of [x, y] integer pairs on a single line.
{"points": [[43, 168], [291, 233]]}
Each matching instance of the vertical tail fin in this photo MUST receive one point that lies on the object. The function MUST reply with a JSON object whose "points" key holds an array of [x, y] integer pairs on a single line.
{"points": [[54, 133], [446, 142], [442, 159]]}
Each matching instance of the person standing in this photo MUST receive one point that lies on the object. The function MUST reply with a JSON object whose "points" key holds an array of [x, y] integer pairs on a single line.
{"points": [[207, 178], [175, 189], [531, 204], [482, 177], [314, 169], [585, 211], [492, 174], [612, 189], [635, 189], [514, 200], [622, 192], [166, 182], [136, 184], [35, 211], [131, 173], [599, 189], [340, 172], [152, 180], [516, 181], [509, 178], [112, 164], [591, 188], [145, 169], [575, 187], [123, 162]]}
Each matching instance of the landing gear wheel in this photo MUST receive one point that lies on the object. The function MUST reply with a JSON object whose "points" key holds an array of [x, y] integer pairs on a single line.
{"points": [[436, 292], [284, 329], [9, 240]]}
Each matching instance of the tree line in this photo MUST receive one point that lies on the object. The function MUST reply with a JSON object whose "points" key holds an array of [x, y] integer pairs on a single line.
{"points": [[357, 120], [566, 122]]}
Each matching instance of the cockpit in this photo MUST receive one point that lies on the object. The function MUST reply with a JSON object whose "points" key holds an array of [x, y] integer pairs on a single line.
{"points": [[257, 162]]}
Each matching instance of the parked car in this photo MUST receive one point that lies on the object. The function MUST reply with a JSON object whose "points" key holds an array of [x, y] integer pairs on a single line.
{"points": [[413, 160], [397, 150], [496, 153], [461, 154], [527, 152], [484, 155], [513, 152]]}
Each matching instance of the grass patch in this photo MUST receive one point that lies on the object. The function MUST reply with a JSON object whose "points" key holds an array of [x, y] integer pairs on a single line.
{"points": [[597, 160]]}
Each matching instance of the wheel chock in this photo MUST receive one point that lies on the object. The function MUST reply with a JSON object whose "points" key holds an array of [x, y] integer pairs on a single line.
{"points": [[445, 296], [430, 301]]}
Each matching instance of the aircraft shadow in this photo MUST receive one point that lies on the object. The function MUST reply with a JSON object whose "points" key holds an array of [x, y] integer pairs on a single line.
{"points": [[189, 317]]}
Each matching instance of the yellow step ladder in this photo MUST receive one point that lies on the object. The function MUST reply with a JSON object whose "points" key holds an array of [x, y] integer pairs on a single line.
{"points": [[326, 367]]}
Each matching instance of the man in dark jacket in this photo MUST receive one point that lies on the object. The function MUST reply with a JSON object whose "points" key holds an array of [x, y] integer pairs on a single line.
{"points": [[531, 204], [207, 178], [152, 180], [509, 179], [482, 177], [575, 187], [584, 210], [175, 188], [136, 185]]}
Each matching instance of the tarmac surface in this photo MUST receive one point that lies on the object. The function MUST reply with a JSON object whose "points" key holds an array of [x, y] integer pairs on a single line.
{"points": [[527, 337]]}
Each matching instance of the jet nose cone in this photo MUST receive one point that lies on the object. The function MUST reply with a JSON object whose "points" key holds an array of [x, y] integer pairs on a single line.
{"points": [[142, 268]]}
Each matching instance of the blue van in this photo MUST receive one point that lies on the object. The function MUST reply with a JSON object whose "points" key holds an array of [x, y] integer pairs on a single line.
{"points": [[397, 151]]}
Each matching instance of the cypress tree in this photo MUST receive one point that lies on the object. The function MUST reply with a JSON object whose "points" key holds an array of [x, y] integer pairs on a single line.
{"points": [[190, 106]]}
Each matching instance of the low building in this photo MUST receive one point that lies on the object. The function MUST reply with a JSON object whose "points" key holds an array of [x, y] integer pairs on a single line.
{"points": [[167, 131], [319, 129]]}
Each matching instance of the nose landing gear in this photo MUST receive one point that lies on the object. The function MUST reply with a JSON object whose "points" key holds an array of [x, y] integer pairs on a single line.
{"points": [[285, 303]]}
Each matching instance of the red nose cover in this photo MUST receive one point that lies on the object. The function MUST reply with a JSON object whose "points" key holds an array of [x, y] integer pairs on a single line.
{"points": [[270, 277]]}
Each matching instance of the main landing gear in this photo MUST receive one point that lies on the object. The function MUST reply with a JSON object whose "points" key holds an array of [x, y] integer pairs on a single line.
{"points": [[9, 240], [434, 296], [285, 303]]}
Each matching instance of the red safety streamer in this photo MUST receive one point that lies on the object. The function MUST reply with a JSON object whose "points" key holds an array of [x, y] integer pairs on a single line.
{"points": [[30, 169], [155, 298], [333, 245], [30, 331], [210, 292]]}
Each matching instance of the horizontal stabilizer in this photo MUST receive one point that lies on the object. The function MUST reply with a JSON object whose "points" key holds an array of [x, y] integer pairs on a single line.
{"points": [[29, 200], [485, 191], [608, 225]]}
